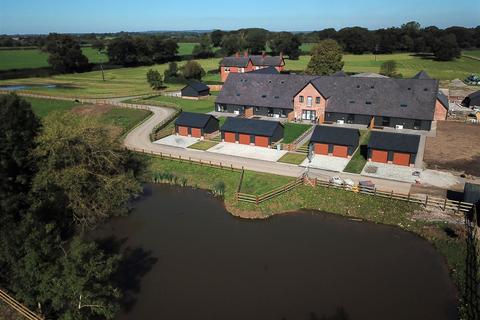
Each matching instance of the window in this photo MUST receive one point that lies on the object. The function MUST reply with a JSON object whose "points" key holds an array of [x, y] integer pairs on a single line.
{"points": [[227, 69], [242, 70], [309, 101], [300, 98], [270, 112], [317, 100], [257, 109], [386, 121], [417, 124], [368, 102]]}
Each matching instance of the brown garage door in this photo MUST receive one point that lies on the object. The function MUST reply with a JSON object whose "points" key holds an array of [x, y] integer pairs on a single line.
{"points": [[321, 148], [380, 156], [244, 138], [183, 131], [197, 133], [229, 137], [261, 141], [402, 159], [340, 151]]}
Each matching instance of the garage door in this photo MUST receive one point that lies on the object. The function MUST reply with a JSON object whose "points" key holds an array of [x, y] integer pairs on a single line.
{"points": [[244, 138], [183, 131], [380, 156], [261, 141], [321, 148], [402, 159], [197, 133], [229, 137], [340, 151]]}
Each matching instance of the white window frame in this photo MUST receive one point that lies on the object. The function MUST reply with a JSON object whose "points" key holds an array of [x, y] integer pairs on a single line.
{"points": [[309, 101]]}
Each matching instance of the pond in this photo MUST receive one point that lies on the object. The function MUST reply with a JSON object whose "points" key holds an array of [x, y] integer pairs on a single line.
{"points": [[34, 86], [190, 259]]}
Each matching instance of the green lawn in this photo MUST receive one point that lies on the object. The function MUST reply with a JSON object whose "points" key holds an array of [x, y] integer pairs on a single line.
{"points": [[126, 119], [359, 159], [259, 183], [43, 107], [118, 82], [203, 145], [185, 48], [293, 158], [34, 58], [293, 131], [408, 65], [200, 106]]}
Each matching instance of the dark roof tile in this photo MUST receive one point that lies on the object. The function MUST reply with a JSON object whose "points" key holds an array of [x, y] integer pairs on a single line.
{"points": [[250, 126], [336, 135], [192, 119], [392, 141]]}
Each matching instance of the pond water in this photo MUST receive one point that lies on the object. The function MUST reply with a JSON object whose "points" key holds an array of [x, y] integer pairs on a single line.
{"points": [[190, 259], [33, 86]]}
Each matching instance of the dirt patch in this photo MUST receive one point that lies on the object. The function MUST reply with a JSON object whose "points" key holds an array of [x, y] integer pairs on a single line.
{"points": [[455, 148], [92, 109]]}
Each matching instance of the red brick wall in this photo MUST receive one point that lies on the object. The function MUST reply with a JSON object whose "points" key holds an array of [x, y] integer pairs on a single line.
{"points": [[224, 74], [440, 111], [309, 91]]}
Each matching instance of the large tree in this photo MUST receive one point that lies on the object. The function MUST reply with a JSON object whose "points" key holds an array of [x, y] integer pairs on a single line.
{"points": [[326, 58], [216, 37], [356, 40], [154, 79], [232, 43], [286, 43], [203, 49], [65, 54], [193, 70], [446, 48], [255, 40]]}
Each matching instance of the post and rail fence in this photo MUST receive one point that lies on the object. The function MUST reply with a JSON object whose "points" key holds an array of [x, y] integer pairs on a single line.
{"points": [[17, 306]]}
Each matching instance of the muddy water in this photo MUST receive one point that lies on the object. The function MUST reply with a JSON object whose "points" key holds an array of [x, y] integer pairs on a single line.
{"points": [[190, 259]]}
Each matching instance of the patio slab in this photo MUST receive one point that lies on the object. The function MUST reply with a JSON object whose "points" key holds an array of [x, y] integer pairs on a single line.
{"points": [[178, 141], [253, 152], [326, 163]]}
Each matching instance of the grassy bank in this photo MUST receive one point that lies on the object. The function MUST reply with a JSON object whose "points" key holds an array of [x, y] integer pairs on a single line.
{"points": [[293, 131], [359, 158], [352, 205]]}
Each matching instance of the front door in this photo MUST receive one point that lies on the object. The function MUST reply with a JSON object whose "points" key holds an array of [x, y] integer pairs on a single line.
{"points": [[308, 115]]}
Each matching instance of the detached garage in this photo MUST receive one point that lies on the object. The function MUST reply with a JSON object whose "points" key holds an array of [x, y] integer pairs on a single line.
{"points": [[396, 148], [195, 124], [195, 90], [259, 133], [334, 141]]}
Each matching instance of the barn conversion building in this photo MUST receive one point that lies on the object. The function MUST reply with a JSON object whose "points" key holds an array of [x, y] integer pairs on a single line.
{"points": [[196, 125], [334, 141], [195, 90], [247, 63], [375, 102], [390, 147], [261, 133]]}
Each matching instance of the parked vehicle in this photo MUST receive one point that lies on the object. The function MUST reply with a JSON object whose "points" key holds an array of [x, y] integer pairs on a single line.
{"points": [[348, 183], [336, 181], [366, 185]]}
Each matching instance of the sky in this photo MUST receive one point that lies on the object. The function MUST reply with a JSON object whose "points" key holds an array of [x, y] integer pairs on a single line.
{"points": [[80, 16]]}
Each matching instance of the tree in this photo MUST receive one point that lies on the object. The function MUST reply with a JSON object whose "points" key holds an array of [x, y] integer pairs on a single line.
{"points": [[446, 48], [154, 79], [255, 40], [356, 40], [203, 49], [193, 70], [232, 43], [389, 68], [83, 169], [286, 43], [171, 74], [65, 54], [123, 51], [326, 58], [98, 45], [216, 37]]}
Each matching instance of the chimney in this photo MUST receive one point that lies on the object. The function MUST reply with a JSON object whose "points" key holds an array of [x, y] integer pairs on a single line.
{"points": [[245, 54], [281, 55], [263, 54], [237, 55]]}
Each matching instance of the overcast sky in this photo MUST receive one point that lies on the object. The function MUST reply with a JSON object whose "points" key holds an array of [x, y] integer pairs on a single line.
{"points": [[44, 16]]}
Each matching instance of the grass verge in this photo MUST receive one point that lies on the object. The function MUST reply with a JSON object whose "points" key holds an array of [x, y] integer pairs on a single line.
{"points": [[203, 145], [292, 158], [359, 159], [126, 119]]}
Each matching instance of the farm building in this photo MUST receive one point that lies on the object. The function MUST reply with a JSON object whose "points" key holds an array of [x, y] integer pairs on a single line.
{"points": [[335, 141], [472, 100], [247, 63], [260, 133], [375, 102], [390, 147], [195, 90], [195, 124]]}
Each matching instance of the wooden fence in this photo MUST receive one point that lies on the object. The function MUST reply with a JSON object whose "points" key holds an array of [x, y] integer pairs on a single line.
{"points": [[296, 144], [190, 160], [20, 308], [245, 197]]}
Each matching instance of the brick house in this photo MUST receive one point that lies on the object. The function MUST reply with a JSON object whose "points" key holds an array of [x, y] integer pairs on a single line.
{"points": [[247, 63], [375, 102]]}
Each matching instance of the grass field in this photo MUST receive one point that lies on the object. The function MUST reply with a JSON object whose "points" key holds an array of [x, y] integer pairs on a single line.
{"points": [[472, 53], [359, 159], [293, 131], [200, 106], [43, 107], [34, 58], [131, 81], [293, 158]]}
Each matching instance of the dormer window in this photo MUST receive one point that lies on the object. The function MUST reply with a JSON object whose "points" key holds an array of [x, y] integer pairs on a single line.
{"points": [[351, 101], [264, 95], [425, 89], [409, 89], [238, 94], [276, 97], [372, 87], [358, 86]]}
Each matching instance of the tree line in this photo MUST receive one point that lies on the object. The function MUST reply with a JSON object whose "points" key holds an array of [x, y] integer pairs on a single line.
{"points": [[58, 179]]}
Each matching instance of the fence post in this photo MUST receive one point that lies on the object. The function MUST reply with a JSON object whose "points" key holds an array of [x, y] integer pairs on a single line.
{"points": [[391, 195], [445, 204], [256, 200], [221, 166], [374, 191], [231, 166], [408, 199], [426, 201], [459, 203]]}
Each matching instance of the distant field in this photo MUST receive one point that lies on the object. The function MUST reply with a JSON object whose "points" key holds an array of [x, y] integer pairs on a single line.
{"points": [[185, 48], [43, 107], [34, 58], [200, 106], [408, 65]]}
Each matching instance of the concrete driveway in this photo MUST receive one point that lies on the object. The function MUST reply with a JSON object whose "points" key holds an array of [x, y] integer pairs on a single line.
{"points": [[240, 150], [177, 141], [326, 163]]}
